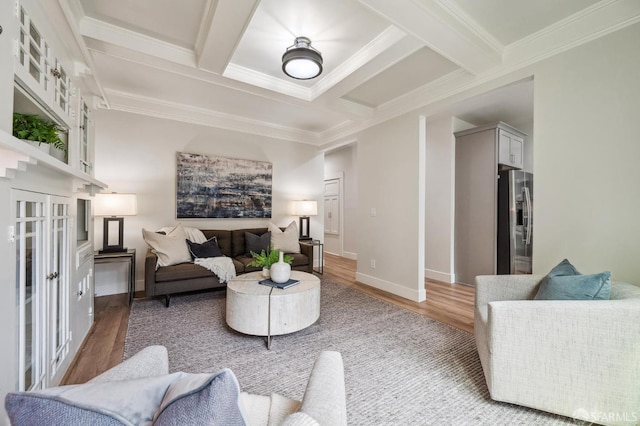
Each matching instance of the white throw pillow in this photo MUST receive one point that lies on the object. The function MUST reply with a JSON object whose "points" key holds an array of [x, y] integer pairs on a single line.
{"points": [[286, 241], [171, 248]]}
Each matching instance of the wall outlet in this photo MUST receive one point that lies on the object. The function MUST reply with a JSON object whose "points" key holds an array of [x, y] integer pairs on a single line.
{"points": [[373, 264], [374, 212]]}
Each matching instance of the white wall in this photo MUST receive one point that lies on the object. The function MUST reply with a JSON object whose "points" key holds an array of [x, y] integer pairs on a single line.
{"points": [[344, 161], [137, 154], [439, 194], [390, 159], [586, 153]]}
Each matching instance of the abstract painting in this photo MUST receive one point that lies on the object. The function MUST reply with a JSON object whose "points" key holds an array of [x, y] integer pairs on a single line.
{"points": [[217, 187]]}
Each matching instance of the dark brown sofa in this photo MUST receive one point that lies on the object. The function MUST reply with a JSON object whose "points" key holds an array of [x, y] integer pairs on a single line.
{"points": [[185, 277]]}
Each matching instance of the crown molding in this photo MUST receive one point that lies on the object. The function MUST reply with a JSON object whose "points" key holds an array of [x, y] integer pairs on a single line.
{"points": [[589, 24], [152, 107], [255, 78], [113, 34]]}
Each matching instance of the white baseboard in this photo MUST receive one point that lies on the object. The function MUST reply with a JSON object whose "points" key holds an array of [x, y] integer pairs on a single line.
{"points": [[393, 288], [439, 276], [350, 255]]}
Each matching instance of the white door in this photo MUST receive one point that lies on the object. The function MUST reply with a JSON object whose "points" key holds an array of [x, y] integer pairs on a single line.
{"points": [[332, 216]]}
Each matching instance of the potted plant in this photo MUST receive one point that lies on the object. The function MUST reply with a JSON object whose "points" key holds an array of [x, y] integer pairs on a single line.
{"points": [[265, 259], [33, 128]]}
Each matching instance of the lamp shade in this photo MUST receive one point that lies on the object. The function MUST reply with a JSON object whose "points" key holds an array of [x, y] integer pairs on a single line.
{"points": [[305, 208], [115, 204]]}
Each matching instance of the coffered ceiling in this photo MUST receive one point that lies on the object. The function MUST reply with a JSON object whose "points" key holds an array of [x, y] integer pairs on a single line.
{"points": [[218, 62]]}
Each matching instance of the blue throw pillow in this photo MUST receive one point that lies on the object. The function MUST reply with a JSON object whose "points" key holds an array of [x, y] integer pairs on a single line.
{"points": [[207, 249], [564, 282]]}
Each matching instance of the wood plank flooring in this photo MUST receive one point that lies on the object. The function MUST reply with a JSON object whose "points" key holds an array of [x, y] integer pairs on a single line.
{"points": [[104, 346]]}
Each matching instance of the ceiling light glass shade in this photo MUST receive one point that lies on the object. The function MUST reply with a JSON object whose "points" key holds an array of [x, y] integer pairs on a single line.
{"points": [[301, 61]]}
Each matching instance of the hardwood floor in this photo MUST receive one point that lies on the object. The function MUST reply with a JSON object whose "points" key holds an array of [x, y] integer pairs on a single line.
{"points": [[104, 346]]}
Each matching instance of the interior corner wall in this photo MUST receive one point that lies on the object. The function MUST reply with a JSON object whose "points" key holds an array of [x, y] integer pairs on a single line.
{"points": [[586, 203], [439, 194], [137, 154], [389, 211], [344, 161]]}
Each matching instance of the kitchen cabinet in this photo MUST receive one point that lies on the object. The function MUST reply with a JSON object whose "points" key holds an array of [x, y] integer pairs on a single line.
{"points": [[510, 148]]}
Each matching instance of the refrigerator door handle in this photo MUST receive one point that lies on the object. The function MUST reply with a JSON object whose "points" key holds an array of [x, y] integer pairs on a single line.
{"points": [[527, 198]]}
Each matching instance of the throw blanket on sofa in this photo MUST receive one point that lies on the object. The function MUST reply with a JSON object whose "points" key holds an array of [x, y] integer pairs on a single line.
{"points": [[221, 266]]}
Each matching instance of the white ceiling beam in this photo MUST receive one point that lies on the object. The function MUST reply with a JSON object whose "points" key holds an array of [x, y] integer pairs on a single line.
{"points": [[432, 25], [153, 107], [118, 36], [220, 32]]}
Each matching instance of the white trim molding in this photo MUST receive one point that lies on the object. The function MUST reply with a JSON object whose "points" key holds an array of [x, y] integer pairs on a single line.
{"points": [[393, 288]]}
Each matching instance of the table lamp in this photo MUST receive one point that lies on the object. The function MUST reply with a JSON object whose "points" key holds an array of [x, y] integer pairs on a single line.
{"points": [[113, 206], [304, 209]]}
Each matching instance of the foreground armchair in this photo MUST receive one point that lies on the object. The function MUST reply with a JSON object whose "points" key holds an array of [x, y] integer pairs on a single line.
{"points": [[141, 391], [575, 358]]}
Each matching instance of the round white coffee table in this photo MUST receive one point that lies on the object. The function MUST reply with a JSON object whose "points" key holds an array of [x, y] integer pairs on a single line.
{"points": [[261, 310]]}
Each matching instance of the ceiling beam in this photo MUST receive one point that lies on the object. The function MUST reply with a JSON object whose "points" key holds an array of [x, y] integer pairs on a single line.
{"points": [[437, 29], [220, 32]]}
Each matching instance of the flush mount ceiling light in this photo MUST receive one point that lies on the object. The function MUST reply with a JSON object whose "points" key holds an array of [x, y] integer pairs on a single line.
{"points": [[301, 61]]}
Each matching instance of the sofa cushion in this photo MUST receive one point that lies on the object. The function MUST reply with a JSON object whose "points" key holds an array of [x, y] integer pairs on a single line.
{"points": [[207, 249], [183, 271], [223, 237], [171, 249], [256, 243], [576, 287], [173, 399], [299, 259], [287, 240], [244, 261]]}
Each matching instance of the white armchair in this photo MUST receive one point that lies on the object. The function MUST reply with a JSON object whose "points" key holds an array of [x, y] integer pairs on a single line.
{"points": [[575, 358]]}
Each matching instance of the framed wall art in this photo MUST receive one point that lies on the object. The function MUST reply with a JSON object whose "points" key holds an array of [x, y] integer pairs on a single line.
{"points": [[218, 187]]}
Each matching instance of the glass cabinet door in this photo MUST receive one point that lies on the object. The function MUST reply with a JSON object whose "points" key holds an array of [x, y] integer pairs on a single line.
{"points": [[58, 282], [42, 250], [31, 291]]}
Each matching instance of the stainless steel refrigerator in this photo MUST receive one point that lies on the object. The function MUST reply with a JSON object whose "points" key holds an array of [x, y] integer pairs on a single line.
{"points": [[515, 222]]}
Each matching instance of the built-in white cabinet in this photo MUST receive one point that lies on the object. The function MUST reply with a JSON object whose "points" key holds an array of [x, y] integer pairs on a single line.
{"points": [[41, 235], [510, 148], [39, 72]]}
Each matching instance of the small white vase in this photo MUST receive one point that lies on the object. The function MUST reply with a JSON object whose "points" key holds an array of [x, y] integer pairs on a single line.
{"points": [[265, 272], [281, 271]]}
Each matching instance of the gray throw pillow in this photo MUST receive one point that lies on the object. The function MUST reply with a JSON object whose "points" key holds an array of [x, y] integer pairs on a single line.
{"points": [[173, 399], [256, 243], [191, 401]]}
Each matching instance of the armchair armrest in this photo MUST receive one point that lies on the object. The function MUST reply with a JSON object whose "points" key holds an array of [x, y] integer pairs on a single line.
{"points": [[150, 361], [325, 397], [307, 250], [491, 288], [150, 261]]}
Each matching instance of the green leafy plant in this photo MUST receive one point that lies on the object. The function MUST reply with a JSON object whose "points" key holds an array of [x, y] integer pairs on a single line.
{"points": [[265, 259], [34, 128]]}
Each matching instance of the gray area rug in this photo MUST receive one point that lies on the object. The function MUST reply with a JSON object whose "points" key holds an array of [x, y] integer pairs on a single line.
{"points": [[400, 367]]}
